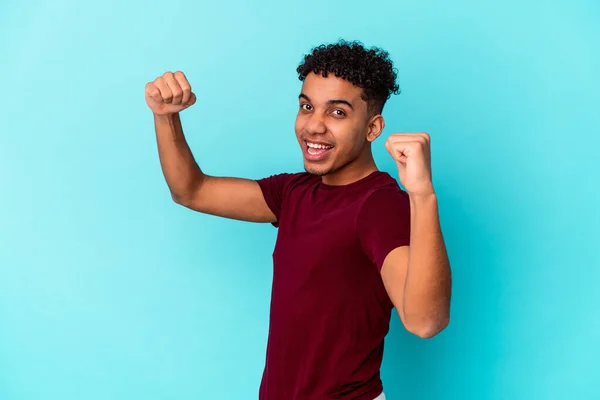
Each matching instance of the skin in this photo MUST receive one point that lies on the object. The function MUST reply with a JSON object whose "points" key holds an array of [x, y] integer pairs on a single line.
{"points": [[333, 112]]}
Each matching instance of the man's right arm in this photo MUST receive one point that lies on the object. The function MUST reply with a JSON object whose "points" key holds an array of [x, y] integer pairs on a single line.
{"points": [[235, 198]]}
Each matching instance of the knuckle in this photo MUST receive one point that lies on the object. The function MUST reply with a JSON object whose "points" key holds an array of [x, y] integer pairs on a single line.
{"points": [[151, 89]]}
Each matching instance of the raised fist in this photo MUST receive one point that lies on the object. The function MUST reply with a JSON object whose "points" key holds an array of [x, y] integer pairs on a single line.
{"points": [[413, 157], [169, 94]]}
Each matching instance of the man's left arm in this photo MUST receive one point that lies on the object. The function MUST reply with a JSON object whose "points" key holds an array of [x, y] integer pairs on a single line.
{"points": [[418, 277]]}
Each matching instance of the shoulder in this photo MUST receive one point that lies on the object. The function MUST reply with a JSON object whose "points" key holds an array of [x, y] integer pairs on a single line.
{"points": [[302, 179], [282, 184], [289, 179], [384, 219], [276, 189], [384, 190], [384, 202]]}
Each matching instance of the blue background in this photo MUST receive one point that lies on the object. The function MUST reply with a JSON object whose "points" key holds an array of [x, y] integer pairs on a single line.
{"points": [[108, 290]]}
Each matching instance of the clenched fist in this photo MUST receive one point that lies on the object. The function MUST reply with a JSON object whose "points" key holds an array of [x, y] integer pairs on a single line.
{"points": [[169, 94], [413, 158]]}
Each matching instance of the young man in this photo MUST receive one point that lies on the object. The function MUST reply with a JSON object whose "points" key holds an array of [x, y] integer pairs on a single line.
{"points": [[351, 245]]}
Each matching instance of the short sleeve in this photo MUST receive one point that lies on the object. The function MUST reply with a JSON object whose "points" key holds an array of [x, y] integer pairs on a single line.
{"points": [[384, 224], [273, 189]]}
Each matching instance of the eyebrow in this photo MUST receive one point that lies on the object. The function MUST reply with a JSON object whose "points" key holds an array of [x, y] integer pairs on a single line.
{"points": [[329, 102]]}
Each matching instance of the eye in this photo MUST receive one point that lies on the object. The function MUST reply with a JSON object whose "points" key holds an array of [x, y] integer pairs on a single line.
{"points": [[306, 107], [339, 113]]}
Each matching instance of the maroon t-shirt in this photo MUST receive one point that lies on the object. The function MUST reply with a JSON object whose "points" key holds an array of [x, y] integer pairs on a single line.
{"points": [[330, 311]]}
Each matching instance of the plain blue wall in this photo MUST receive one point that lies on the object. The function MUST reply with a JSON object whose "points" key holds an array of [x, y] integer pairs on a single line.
{"points": [[108, 290]]}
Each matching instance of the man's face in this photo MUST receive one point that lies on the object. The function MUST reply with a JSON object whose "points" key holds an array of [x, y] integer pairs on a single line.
{"points": [[332, 123]]}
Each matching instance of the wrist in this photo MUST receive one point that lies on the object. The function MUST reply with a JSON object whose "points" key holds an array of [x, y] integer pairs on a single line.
{"points": [[167, 120], [422, 198], [164, 117]]}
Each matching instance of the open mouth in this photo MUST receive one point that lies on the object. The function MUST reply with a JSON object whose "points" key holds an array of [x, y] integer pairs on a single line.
{"points": [[317, 151]]}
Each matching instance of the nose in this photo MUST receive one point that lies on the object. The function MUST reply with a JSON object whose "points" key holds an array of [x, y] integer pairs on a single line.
{"points": [[316, 124]]}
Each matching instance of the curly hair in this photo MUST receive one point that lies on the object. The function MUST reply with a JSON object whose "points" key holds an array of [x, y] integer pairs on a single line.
{"points": [[368, 68]]}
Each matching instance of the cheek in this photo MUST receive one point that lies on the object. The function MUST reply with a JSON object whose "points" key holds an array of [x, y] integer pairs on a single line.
{"points": [[349, 141], [300, 123]]}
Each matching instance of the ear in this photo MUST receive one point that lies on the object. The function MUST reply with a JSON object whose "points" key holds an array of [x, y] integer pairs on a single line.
{"points": [[375, 127]]}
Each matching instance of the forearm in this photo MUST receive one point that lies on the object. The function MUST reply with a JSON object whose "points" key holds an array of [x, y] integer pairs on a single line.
{"points": [[182, 173], [428, 284]]}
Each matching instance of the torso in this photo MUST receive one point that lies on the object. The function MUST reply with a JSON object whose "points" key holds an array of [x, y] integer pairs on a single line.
{"points": [[329, 309]]}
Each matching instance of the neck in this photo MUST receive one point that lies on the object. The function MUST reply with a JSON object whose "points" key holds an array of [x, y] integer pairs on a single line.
{"points": [[352, 172]]}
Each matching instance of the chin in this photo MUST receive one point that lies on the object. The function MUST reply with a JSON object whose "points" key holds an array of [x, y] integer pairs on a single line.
{"points": [[315, 170]]}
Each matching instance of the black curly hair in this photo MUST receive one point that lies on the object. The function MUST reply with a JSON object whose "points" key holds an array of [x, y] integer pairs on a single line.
{"points": [[368, 68]]}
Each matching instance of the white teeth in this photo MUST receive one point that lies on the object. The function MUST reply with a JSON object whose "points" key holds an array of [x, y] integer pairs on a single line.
{"points": [[318, 146]]}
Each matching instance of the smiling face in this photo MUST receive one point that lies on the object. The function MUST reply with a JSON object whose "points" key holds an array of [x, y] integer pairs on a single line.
{"points": [[334, 128]]}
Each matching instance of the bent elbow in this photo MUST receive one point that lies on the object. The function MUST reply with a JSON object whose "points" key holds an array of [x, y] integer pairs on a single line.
{"points": [[181, 200], [186, 195], [178, 199], [430, 329]]}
